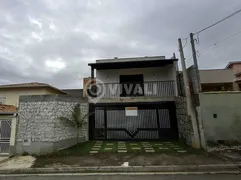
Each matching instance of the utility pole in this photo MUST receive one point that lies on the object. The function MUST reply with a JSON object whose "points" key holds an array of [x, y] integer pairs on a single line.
{"points": [[194, 55], [190, 107]]}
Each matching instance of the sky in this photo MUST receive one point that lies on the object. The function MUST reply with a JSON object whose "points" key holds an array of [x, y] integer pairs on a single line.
{"points": [[52, 41]]}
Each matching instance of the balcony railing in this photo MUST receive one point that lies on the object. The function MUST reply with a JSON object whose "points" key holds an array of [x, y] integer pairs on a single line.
{"points": [[150, 88]]}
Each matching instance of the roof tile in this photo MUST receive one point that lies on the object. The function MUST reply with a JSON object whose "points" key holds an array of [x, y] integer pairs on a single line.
{"points": [[32, 84], [7, 108], [29, 85]]}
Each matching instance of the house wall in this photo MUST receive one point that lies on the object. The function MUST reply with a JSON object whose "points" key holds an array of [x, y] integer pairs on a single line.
{"points": [[39, 130], [12, 95], [150, 74], [212, 76], [165, 73], [221, 116], [236, 68]]}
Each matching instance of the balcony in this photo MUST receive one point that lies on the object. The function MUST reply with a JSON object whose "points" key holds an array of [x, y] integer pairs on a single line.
{"points": [[148, 89]]}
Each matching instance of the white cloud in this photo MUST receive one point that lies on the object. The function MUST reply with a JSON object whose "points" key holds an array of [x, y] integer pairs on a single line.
{"points": [[53, 41], [35, 22], [55, 65], [36, 36]]}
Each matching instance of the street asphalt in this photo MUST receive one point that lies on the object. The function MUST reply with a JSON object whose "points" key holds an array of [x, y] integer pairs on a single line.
{"points": [[125, 176]]}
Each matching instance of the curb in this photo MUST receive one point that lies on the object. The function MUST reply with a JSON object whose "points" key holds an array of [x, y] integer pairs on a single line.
{"points": [[117, 169]]}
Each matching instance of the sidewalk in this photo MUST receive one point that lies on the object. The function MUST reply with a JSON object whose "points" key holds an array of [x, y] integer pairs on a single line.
{"points": [[111, 163], [133, 159]]}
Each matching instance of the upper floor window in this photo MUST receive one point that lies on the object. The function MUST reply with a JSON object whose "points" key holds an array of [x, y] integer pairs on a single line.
{"points": [[2, 100]]}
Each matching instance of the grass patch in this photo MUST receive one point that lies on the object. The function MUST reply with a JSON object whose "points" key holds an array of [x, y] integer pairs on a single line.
{"points": [[76, 150], [131, 147]]}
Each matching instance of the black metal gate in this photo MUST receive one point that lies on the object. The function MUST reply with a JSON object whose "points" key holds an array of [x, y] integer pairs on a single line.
{"points": [[5, 133], [154, 121]]}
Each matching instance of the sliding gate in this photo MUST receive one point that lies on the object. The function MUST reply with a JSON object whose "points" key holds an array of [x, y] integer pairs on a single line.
{"points": [[133, 121]]}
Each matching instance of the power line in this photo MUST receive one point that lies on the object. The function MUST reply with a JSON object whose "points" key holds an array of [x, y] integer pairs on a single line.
{"points": [[221, 40], [234, 13], [229, 16]]}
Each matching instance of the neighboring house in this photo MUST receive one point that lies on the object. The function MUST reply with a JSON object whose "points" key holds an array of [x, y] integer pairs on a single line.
{"points": [[78, 93], [6, 114], [217, 80], [137, 99], [9, 94], [227, 79], [236, 68]]}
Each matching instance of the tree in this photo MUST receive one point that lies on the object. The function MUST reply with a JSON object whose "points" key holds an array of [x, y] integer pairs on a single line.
{"points": [[77, 120]]}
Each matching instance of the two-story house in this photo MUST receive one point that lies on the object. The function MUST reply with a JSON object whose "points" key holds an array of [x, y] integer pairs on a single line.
{"points": [[134, 98]]}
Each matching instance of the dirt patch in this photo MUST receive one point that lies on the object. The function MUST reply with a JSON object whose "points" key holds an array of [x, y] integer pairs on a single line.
{"points": [[116, 159], [232, 155], [18, 162]]}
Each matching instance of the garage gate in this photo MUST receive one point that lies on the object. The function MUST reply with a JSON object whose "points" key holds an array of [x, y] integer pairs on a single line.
{"points": [[133, 121]]}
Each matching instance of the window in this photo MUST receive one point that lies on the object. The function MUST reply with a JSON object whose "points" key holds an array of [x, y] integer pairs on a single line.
{"points": [[2, 100]]}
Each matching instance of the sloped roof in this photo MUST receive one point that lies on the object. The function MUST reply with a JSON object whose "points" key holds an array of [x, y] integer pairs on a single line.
{"points": [[32, 84], [7, 108], [29, 85]]}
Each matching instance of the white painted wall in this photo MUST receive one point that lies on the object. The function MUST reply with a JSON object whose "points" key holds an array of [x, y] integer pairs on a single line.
{"points": [[165, 73], [150, 74]]}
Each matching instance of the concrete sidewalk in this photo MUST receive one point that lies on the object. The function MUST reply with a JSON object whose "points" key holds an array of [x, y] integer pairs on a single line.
{"points": [[23, 165], [133, 159], [212, 168]]}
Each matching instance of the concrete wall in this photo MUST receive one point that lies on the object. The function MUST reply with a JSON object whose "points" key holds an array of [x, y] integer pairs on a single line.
{"points": [[221, 115], [12, 95], [40, 131]]}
